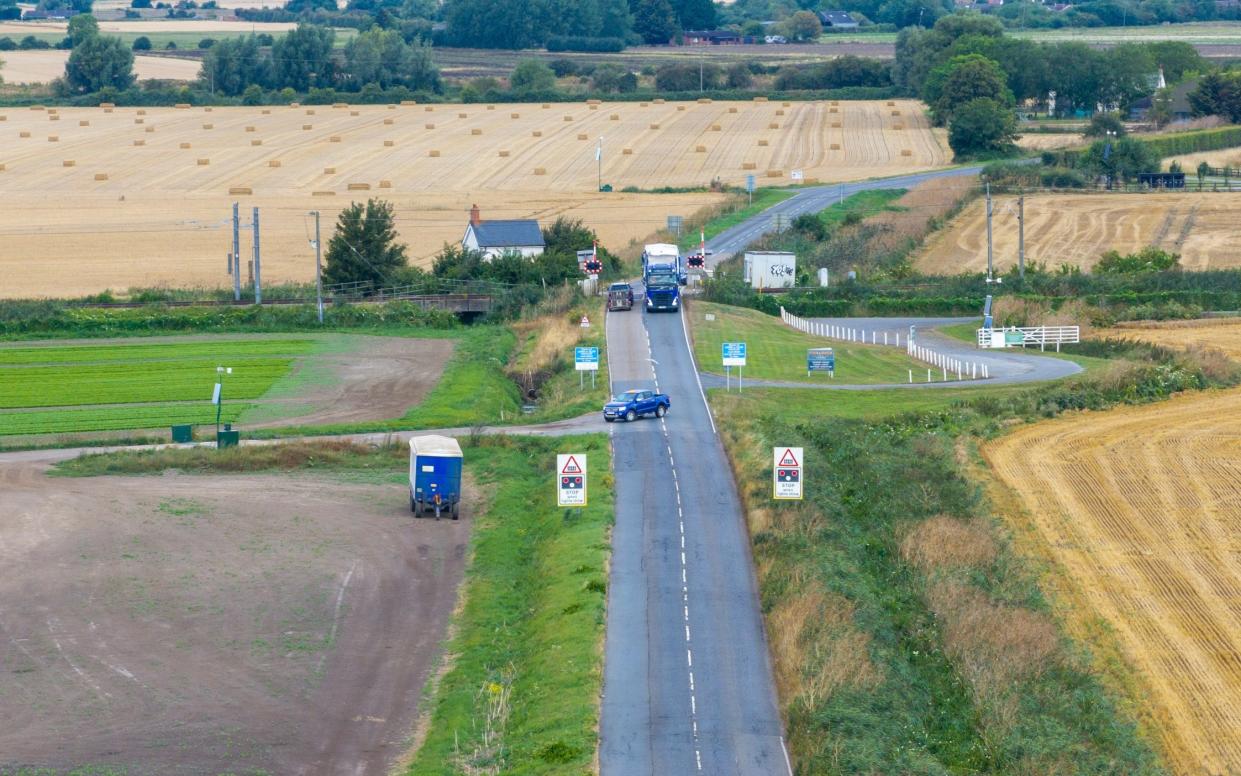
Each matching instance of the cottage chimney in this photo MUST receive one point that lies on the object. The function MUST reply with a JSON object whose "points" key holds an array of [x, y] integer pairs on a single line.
{"points": [[475, 217]]}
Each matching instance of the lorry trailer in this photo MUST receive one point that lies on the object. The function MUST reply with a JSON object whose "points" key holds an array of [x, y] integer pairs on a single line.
{"points": [[434, 476]]}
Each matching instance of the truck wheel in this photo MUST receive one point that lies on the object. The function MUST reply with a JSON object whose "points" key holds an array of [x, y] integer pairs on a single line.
{"points": [[413, 506], [631, 416], [659, 411]]}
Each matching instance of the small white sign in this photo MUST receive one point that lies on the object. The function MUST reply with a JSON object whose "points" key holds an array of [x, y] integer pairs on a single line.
{"points": [[585, 322], [710, 316], [797, 175], [215, 395], [571, 480], [786, 473]]}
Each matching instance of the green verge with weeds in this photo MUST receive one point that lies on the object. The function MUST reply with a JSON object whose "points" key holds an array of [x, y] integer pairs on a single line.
{"points": [[908, 636], [520, 693]]}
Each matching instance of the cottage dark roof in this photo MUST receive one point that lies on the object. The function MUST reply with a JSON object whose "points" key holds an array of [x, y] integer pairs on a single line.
{"points": [[835, 18], [508, 234]]}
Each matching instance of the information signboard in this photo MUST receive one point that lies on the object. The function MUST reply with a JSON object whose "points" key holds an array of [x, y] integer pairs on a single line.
{"points": [[821, 360], [733, 353], [786, 473], [586, 359], [571, 480]]}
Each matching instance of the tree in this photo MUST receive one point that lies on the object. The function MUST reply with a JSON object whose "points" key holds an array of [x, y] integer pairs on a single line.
{"points": [[531, 76], [739, 76], [233, 64], [253, 95], [804, 26], [364, 246], [1204, 170], [142, 43], [81, 27], [1105, 125], [688, 77], [613, 78], [303, 59], [654, 21], [98, 62], [1177, 59], [1149, 259], [140, 4], [962, 79], [1119, 160], [982, 126], [1218, 94], [615, 18], [694, 14], [382, 57], [514, 24]]}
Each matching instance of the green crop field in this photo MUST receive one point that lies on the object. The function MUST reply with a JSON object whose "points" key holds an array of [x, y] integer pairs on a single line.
{"points": [[776, 352], [110, 386]]}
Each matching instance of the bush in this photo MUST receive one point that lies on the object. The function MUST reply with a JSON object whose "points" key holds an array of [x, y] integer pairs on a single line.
{"points": [[7, 44], [563, 67], [841, 72], [253, 95], [1149, 259], [688, 77], [579, 43], [739, 76], [142, 43], [30, 42], [206, 43]]}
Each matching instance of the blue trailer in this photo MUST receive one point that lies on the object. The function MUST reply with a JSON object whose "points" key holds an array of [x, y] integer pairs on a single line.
{"points": [[434, 476]]}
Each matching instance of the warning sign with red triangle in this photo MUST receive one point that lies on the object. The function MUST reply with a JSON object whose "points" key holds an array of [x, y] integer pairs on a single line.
{"points": [[571, 479], [571, 467], [788, 458], [786, 474]]}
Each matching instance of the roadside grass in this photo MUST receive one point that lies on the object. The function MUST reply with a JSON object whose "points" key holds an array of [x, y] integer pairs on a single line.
{"points": [[545, 360], [776, 352], [729, 214], [968, 332], [790, 405], [520, 693]]}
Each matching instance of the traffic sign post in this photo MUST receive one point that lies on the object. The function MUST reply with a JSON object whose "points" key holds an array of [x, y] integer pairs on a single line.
{"points": [[586, 360], [821, 360], [749, 187], [733, 354], [571, 480], [786, 479]]}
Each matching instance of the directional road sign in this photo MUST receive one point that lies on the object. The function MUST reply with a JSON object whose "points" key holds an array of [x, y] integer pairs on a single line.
{"points": [[786, 473], [820, 360], [733, 353], [586, 359], [571, 480]]}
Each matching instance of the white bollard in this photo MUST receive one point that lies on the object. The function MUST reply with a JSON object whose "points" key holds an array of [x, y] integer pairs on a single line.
{"points": [[911, 376], [973, 371], [958, 373], [928, 375], [885, 338], [945, 376]]}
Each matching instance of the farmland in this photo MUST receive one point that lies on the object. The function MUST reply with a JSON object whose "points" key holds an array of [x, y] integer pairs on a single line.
{"points": [[1137, 506], [35, 67], [84, 183], [1076, 229], [1223, 334], [54, 388]]}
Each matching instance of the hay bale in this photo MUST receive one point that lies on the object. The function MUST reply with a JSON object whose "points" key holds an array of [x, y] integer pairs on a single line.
{"points": [[835, 125], [503, 154], [142, 112], [359, 187], [476, 132], [594, 102], [787, 104], [256, 142], [204, 162], [185, 145], [393, 107], [898, 125], [514, 115], [181, 105], [68, 163], [762, 143], [704, 100], [834, 147], [208, 126], [235, 190], [334, 139], [896, 113], [389, 143], [891, 103], [101, 176], [642, 105], [23, 134], [760, 99], [536, 133], [433, 153], [429, 109], [907, 152], [6, 118], [355, 113], [540, 171], [310, 111], [82, 123], [291, 105], [654, 126], [659, 100], [385, 184], [568, 118], [581, 136], [780, 112], [680, 107], [322, 193], [107, 105], [53, 117], [626, 152], [340, 105], [774, 173], [266, 111], [614, 117], [389, 121], [547, 105], [208, 110], [748, 165], [251, 129], [2, 168], [733, 109], [774, 125], [307, 127], [107, 110], [409, 102], [429, 126], [833, 110], [462, 115], [834, 102], [594, 107], [491, 107], [53, 138], [700, 149], [715, 127], [150, 129], [329, 170], [273, 162], [139, 121]]}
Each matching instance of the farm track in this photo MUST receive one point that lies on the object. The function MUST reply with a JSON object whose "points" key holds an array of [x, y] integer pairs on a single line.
{"points": [[1140, 508]]}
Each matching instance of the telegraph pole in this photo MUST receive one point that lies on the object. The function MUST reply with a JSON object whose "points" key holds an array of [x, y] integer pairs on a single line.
{"points": [[236, 253], [988, 231], [258, 266], [318, 269], [1021, 236]]}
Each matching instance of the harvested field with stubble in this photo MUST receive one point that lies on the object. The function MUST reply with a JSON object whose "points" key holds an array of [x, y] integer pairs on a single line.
{"points": [[1222, 334], [1139, 509], [1076, 229], [147, 198], [39, 67]]}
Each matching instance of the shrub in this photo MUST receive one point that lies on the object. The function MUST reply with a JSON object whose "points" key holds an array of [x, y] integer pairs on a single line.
{"points": [[206, 43], [7, 44], [142, 43], [688, 77], [580, 43]]}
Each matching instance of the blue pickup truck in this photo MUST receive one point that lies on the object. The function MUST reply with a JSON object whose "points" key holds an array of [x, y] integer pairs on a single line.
{"points": [[632, 405]]}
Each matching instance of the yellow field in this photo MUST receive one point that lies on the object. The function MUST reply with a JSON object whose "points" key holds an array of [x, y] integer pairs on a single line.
{"points": [[15, 29], [1220, 333], [132, 198], [1042, 141], [1077, 229], [37, 67]]}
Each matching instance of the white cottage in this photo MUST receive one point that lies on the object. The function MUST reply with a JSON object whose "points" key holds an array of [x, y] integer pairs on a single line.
{"points": [[493, 238]]}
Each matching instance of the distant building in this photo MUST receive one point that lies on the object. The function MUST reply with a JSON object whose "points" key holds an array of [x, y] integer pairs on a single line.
{"points": [[493, 238], [837, 20], [710, 38]]}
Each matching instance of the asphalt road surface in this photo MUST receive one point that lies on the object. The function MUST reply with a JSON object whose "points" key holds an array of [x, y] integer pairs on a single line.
{"points": [[687, 678]]}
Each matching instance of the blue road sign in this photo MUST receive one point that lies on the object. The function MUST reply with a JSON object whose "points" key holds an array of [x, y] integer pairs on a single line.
{"points": [[586, 354], [820, 360], [733, 353], [749, 183]]}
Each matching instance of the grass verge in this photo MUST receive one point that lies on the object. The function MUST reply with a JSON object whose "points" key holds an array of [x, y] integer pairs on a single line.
{"points": [[907, 634], [729, 214], [520, 690], [776, 352]]}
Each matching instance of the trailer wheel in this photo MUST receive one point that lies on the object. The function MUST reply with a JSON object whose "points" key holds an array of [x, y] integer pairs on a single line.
{"points": [[659, 411], [631, 416], [456, 511], [413, 505]]}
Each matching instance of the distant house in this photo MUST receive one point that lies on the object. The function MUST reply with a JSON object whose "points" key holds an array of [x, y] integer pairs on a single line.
{"points": [[710, 38], [1179, 105], [493, 238], [837, 20]]}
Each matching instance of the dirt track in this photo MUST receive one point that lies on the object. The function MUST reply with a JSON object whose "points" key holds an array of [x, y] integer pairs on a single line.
{"points": [[1140, 507], [200, 625]]}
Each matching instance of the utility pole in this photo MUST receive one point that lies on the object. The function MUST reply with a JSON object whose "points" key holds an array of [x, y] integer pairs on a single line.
{"points": [[599, 163], [318, 269], [258, 266], [1021, 236], [988, 231], [236, 253]]}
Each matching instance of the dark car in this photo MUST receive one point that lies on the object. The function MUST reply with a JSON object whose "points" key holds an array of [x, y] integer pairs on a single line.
{"points": [[632, 405], [620, 296]]}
